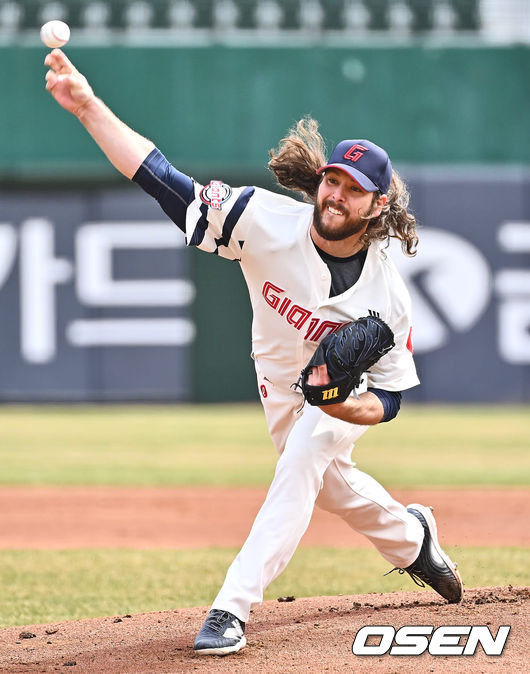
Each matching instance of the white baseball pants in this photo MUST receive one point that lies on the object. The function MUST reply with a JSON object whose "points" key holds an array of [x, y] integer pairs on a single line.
{"points": [[314, 467]]}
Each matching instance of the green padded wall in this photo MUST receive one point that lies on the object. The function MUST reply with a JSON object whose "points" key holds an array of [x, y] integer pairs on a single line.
{"points": [[220, 109]]}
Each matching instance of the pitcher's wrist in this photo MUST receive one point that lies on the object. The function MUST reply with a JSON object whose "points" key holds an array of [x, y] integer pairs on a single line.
{"points": [[85, 109]]}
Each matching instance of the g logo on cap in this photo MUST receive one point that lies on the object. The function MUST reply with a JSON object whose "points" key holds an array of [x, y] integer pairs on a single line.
{"points": [[355, 156]]}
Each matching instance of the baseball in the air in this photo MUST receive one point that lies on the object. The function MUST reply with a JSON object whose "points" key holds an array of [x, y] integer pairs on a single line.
{"points": [[55, 33]]}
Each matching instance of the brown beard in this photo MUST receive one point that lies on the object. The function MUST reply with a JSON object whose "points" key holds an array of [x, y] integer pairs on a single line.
{"points": [[350, 227]]}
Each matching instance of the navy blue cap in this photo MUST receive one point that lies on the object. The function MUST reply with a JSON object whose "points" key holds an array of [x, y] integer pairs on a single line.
{"points": [[367, 163]]}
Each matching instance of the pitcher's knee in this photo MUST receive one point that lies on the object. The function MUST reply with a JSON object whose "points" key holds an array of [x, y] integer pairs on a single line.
{"points": [[318, 450]]}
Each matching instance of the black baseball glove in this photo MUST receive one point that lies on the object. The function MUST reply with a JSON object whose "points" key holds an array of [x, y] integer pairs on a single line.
{"points": [[347, 353]]}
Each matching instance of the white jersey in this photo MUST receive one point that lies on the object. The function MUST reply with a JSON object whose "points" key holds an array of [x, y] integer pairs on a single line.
{"points": [[289, 286], [289, 283]]}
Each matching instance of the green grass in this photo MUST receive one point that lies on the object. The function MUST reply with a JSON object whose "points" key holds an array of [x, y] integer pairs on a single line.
{"points": [[135, 445], [48, 586], [425, 446], [450, 446], [430, 446]]}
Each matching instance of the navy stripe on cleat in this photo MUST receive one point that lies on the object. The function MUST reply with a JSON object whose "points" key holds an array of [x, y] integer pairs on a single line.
{"points": [[221, 634]]}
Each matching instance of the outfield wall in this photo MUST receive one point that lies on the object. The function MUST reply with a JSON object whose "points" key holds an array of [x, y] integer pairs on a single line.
{"points": [[221, 108], [101, 301]]}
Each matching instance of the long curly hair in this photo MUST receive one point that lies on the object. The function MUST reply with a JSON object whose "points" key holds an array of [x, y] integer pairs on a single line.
{"points": [[303, 151]]}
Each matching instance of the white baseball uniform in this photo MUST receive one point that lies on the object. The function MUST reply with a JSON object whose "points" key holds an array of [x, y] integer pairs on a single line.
{"points": [[289, 288]]}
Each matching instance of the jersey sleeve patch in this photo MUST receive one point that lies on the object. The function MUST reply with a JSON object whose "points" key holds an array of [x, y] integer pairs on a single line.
{"points": [[215, 230], [215, 194]]}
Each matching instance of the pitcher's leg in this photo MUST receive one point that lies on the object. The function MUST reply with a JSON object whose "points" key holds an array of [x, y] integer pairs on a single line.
{"points": [[393, 528], [368, 508], [287, 510]]}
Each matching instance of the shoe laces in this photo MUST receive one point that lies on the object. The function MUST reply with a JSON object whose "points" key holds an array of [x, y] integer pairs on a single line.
{"points": [[217, 619], [414, 577]]}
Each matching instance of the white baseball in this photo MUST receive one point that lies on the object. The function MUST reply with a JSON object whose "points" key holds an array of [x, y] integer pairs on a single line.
{"points": [[55, 33]]}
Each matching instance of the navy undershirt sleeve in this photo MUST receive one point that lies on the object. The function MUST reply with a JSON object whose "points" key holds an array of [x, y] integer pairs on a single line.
{"points": [[391, 401], [172, 189]]}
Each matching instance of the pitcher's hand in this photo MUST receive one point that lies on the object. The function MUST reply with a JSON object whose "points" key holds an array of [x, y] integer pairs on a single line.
{"points": [[319, 376], [66, 84]]}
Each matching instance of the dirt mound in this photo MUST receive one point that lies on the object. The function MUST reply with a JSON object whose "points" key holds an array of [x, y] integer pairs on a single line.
{"points": [[304, 635]]}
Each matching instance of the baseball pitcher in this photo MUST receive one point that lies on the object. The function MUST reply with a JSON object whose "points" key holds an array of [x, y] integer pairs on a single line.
{"points": [[331, 335]]}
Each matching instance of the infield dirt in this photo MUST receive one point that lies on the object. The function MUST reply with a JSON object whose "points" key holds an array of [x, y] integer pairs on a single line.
{"points": [[192, 517], [305, 635]]}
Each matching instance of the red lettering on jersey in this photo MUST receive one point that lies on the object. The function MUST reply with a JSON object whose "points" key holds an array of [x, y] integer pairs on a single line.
{"points": [[263, 391], [297, 316], [410, 346], [283, 307], [312, 325], [270, 298], [333, 325], [355, 152]]}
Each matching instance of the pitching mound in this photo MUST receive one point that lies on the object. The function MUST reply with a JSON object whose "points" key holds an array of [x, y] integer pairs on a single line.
{"points": [[302, 635]]}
